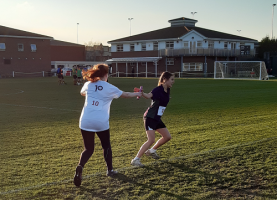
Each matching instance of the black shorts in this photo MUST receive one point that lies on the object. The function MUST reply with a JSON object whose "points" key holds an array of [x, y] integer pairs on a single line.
{"points": [[152, 124], [60, 76], [74, 76], [79, 77]]}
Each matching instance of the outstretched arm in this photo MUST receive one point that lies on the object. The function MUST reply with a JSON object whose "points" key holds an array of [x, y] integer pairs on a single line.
{"points": [[130, 94], [147, 96]]}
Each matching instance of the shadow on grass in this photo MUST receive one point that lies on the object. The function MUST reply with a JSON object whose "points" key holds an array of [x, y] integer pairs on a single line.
{"points": [[126, 179], [251, 191]]}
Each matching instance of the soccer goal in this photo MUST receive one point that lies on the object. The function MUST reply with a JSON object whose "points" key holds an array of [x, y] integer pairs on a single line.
{"points": [[240, 70], [28, 75]]}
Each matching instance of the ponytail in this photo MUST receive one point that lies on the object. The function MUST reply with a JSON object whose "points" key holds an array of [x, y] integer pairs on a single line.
{"points": [[96, 72]]}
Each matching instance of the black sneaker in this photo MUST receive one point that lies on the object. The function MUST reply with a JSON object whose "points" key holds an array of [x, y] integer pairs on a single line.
{"points": [[111, 172], [78, 175]]}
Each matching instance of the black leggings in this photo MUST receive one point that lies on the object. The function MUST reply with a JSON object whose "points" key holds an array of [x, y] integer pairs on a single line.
{"points": [[88, 138]]}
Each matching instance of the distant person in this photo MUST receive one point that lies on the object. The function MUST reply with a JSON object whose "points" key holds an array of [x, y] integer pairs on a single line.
{"points": [[152, 118], [74, 74], [60, 76], [95, 116], [133, 71], [79, 76]]}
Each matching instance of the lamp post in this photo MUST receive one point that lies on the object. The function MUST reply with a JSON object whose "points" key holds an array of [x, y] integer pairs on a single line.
{"points": [[239, 31], [130, 19], [193, 14], [272, 19], [77, 32]]}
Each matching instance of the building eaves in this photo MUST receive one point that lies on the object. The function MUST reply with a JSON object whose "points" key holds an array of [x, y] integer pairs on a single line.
{"points": [[11, 32]]}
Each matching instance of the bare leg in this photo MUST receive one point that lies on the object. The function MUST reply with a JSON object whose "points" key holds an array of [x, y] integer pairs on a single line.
{"points": [[165, 137], [148, 143]]}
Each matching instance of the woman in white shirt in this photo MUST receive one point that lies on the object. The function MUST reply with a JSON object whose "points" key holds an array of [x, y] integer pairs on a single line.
{"points": [[95, 115]]}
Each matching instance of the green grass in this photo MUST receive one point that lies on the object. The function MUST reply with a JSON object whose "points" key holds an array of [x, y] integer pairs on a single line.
{"points": [[223, 142]]}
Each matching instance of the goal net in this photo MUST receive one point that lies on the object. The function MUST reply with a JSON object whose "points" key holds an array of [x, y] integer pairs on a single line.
{"points": [[240, 70], [28, 75]]}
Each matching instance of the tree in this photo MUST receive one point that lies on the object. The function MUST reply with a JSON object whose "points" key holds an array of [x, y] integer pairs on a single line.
{"points": [[94, 51], [267, 45]]}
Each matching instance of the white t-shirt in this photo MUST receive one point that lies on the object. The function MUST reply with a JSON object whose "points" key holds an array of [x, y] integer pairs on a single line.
{"points": [[96, 111]]}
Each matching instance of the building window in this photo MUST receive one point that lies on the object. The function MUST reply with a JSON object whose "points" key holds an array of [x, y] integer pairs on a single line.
{"points": [[186, 45], [132, 47], [170, 61], [2, 46], [211, 45], [245, 49], [119, 47], [143, 63], [199, 44], [33, 48], [7, 61], [192, 67], [132, 64], [143, 46], [225, 45], [170, 45], [242, 44], [20, 47], [156, 45]]}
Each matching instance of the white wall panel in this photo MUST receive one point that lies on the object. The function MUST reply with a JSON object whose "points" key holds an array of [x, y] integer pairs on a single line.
{"points": [[113, 48], [149, 46], [137, 46], [126, 47], [162, 45]]}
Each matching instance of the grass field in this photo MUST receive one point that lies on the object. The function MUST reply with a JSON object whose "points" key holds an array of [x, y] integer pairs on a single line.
{"points": [[223, 142]]}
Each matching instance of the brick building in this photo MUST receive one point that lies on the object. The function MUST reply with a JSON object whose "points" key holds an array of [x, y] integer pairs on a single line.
{"points": [[23, 51], [27, 52]]}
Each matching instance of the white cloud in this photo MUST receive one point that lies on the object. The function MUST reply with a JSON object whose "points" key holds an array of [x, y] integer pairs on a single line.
{"points": [[24, 7]]}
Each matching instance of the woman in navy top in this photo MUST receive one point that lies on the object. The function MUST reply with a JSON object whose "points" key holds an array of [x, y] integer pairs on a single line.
{"points": [[152, 118]]}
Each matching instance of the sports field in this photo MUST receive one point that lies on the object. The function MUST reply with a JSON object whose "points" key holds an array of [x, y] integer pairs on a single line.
{"points": [[223, 142]]}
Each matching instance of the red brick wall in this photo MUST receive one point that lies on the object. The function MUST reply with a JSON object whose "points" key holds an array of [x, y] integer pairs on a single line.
{"points": [[68, 53], [25, 61]]}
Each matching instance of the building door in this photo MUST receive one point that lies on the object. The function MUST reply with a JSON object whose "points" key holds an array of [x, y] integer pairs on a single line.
{"points": [[193, 47]]}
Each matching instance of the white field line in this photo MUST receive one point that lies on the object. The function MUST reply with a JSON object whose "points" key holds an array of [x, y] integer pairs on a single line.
{"points": [[147, 164], [6, 104], [21, 91]]}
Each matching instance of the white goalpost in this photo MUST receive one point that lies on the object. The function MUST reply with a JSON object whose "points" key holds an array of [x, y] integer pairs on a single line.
{"points": [[240, 70], [32, 74]]}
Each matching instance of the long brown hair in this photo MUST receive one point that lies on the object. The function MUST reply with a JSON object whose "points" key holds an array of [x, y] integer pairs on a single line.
{"points": [[96, 72], [164, 77]]}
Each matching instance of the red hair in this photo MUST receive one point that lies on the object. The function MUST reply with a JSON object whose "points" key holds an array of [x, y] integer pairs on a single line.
{"points": [[96, 72]]}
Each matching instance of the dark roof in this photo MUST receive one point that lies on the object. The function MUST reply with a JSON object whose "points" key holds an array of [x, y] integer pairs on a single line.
{"points": [[179, 31], [15, 32], [169, 32], [62, 43], [216, 34]]}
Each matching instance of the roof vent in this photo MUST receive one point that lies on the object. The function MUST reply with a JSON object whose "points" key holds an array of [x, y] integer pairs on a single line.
{"points": [[183, 22]]}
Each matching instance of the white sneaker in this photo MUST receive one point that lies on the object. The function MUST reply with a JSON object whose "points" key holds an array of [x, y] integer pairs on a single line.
{"points": [[137, 163], [152, 154]]}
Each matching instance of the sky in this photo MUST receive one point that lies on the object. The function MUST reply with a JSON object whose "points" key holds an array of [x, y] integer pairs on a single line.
{"points": [[101, 21]]}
